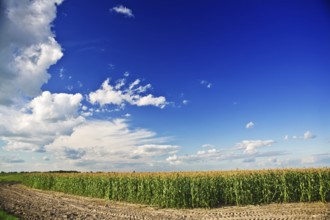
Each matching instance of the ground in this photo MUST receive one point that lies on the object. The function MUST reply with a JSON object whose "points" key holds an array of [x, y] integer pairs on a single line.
{"points": [[27, 203]]}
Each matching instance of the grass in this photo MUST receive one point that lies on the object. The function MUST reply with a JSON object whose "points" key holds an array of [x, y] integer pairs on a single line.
{"points": [[6, 216], [11, 177]]}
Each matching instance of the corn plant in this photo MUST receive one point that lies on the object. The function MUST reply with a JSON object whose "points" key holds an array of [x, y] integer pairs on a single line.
{"points": [[193, 189]]}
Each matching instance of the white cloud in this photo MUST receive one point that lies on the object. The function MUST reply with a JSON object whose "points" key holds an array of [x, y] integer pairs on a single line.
{"points": [[118, 95], [174, 160], [206, 83], [69, 87], [120, 9], [58, 106], [107, 95], [250, 146], [308, 160], [185, 102], [308, 135], [27, 47], [250, 125], [110, 142], [135, 83], [126, 74], [120, 83], [319, 159], [155, 150], [40, 122], [208, 146], [213, 155], [151, 100], [61, 73], [200, 152], [191, 159], [211, 151]]}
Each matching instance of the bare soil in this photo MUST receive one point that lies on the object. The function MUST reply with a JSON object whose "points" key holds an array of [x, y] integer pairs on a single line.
{"points": [[27, 203]]}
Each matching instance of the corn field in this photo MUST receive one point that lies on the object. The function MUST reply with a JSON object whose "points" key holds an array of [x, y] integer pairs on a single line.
{"points": [[193, 189]]}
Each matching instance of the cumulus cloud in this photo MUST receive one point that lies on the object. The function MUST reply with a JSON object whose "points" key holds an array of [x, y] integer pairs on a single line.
{"points": [[57, 106], [206, 84], [250, 125], [232, 155], [120, 95], [151, 100], [155, 150], [27, 47], [201, 155], [309, 135], [110, 142], [250, 146], [174, 160], [210, 151], [200, 152], [40, 121], [120, 9]]}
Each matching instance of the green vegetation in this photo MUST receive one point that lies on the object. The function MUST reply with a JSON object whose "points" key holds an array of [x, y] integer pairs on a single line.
{"points": [[194, 189], [5, 216], [11, 177]]}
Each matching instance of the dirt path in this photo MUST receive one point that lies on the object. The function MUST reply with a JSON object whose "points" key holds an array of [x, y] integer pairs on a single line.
{"points": [[29, 203]]}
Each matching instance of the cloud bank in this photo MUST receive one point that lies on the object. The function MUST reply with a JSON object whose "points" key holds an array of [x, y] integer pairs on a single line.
{"points": [[103, 143], [27, 47]]}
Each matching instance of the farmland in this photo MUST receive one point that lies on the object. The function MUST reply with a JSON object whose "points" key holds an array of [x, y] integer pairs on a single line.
{"points": [[266, 194], [193, 189], [27, 203]]}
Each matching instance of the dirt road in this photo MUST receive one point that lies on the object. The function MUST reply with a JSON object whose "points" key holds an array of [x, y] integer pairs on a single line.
{"points": [[29, 203]]}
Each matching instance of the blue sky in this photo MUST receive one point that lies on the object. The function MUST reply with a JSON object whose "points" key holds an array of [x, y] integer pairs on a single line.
{"points": [[164, 85]]}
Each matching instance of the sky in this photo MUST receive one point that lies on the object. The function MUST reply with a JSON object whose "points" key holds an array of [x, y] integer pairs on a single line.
{"points": [[123, 85]]}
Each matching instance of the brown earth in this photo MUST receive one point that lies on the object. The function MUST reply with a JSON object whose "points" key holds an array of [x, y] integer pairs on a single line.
{"points": [[29, 203]]}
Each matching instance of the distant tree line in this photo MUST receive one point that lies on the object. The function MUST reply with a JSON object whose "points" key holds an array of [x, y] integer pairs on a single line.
{"points": [[54, 171]]}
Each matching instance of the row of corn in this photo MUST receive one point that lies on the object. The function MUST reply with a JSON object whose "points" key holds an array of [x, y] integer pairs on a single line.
{"points": [[193, 189]]}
